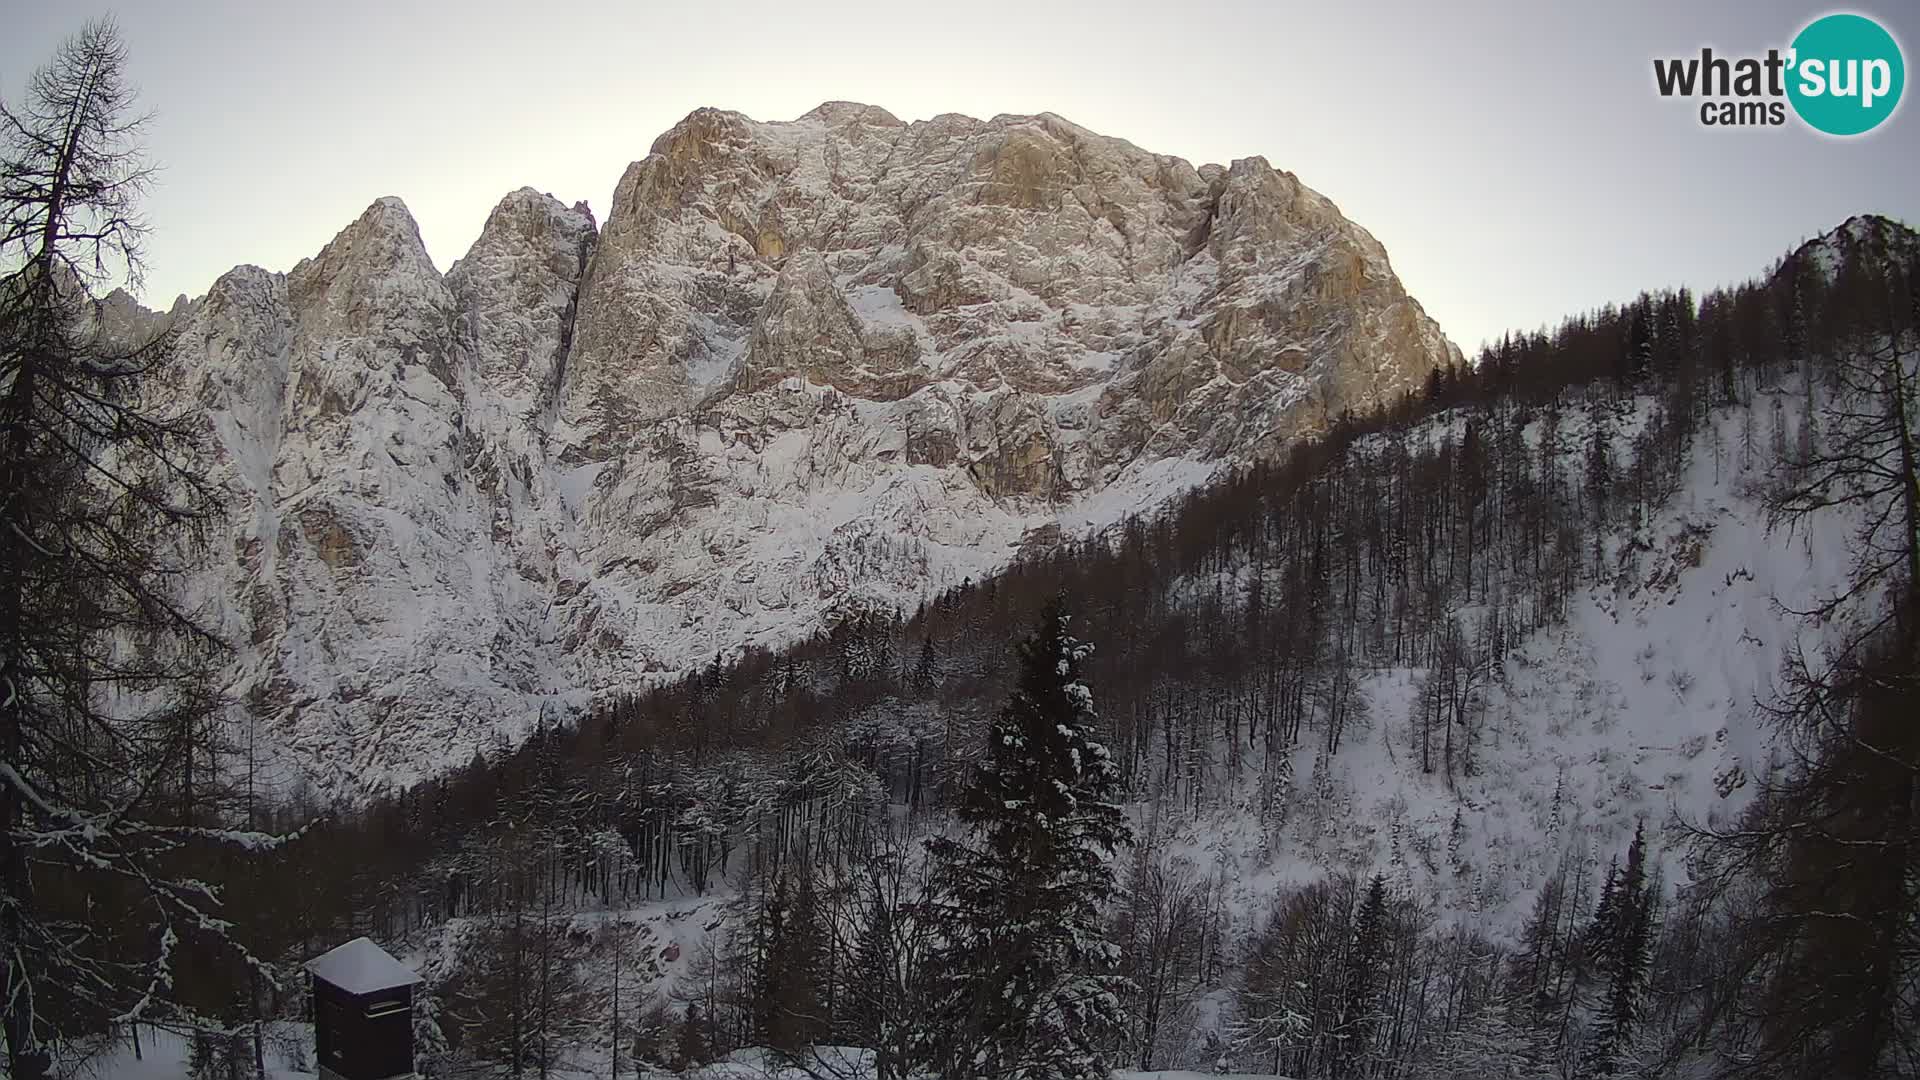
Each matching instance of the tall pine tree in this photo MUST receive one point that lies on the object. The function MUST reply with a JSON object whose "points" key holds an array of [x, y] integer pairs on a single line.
{"points": [[1365, 958], [792, 1010], [1025, 987], [1622, 947]]}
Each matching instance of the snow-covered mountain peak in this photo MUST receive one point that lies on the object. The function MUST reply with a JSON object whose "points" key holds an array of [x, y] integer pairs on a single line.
{"points": [[836, 113], [373, 319], [1864, 238], [383, 243], [515, 293]]}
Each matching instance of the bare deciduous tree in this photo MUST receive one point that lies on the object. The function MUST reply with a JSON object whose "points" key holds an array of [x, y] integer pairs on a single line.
{"points": [[104, 668]]}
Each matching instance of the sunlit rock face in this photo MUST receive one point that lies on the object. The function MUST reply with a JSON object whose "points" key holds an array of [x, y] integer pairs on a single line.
{"points": [[837, 363]]}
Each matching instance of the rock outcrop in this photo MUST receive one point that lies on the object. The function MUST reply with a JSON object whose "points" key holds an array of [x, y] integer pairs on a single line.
{"points": [[804, 367]]}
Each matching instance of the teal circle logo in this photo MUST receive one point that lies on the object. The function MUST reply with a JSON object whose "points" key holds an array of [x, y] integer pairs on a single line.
{"points": [[1846, 74]]}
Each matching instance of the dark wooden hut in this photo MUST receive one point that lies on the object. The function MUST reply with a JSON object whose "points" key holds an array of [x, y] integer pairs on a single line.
{"points": [[362, 1013]]}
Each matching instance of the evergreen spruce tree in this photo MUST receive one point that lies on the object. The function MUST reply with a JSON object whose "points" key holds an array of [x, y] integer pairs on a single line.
{"points": [[1360, 1005], [1024, 980], [1595, 942], [1636, 360], [1456, 840], [1540, 964], [923, 669], [690, 1050], [792, 1007], [767, 980], [1622, 951]]}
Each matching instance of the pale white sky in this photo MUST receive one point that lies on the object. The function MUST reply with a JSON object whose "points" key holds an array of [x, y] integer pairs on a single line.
{"points": [[1513, 158]]}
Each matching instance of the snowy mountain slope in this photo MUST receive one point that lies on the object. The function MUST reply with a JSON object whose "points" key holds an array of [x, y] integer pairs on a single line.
{"points": [[834, 364], [1643, 705]]}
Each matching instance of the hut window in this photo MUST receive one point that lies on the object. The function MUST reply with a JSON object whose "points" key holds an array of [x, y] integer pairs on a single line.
{"points": [[378, 1009]]}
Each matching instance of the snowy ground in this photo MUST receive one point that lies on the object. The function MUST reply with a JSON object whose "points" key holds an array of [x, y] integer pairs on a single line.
{"points": [[1177, 1074], [665, 938], [163, 1056]]}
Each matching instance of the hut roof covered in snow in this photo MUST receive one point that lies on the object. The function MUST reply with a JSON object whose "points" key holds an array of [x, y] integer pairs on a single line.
{"points": [[361, 967]]}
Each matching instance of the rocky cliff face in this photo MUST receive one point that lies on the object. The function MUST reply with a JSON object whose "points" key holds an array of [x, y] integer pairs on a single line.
{"points": [[834, 363]]}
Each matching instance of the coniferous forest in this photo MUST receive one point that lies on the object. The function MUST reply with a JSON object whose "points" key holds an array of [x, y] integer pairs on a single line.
{"points": [[962, 838]]}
